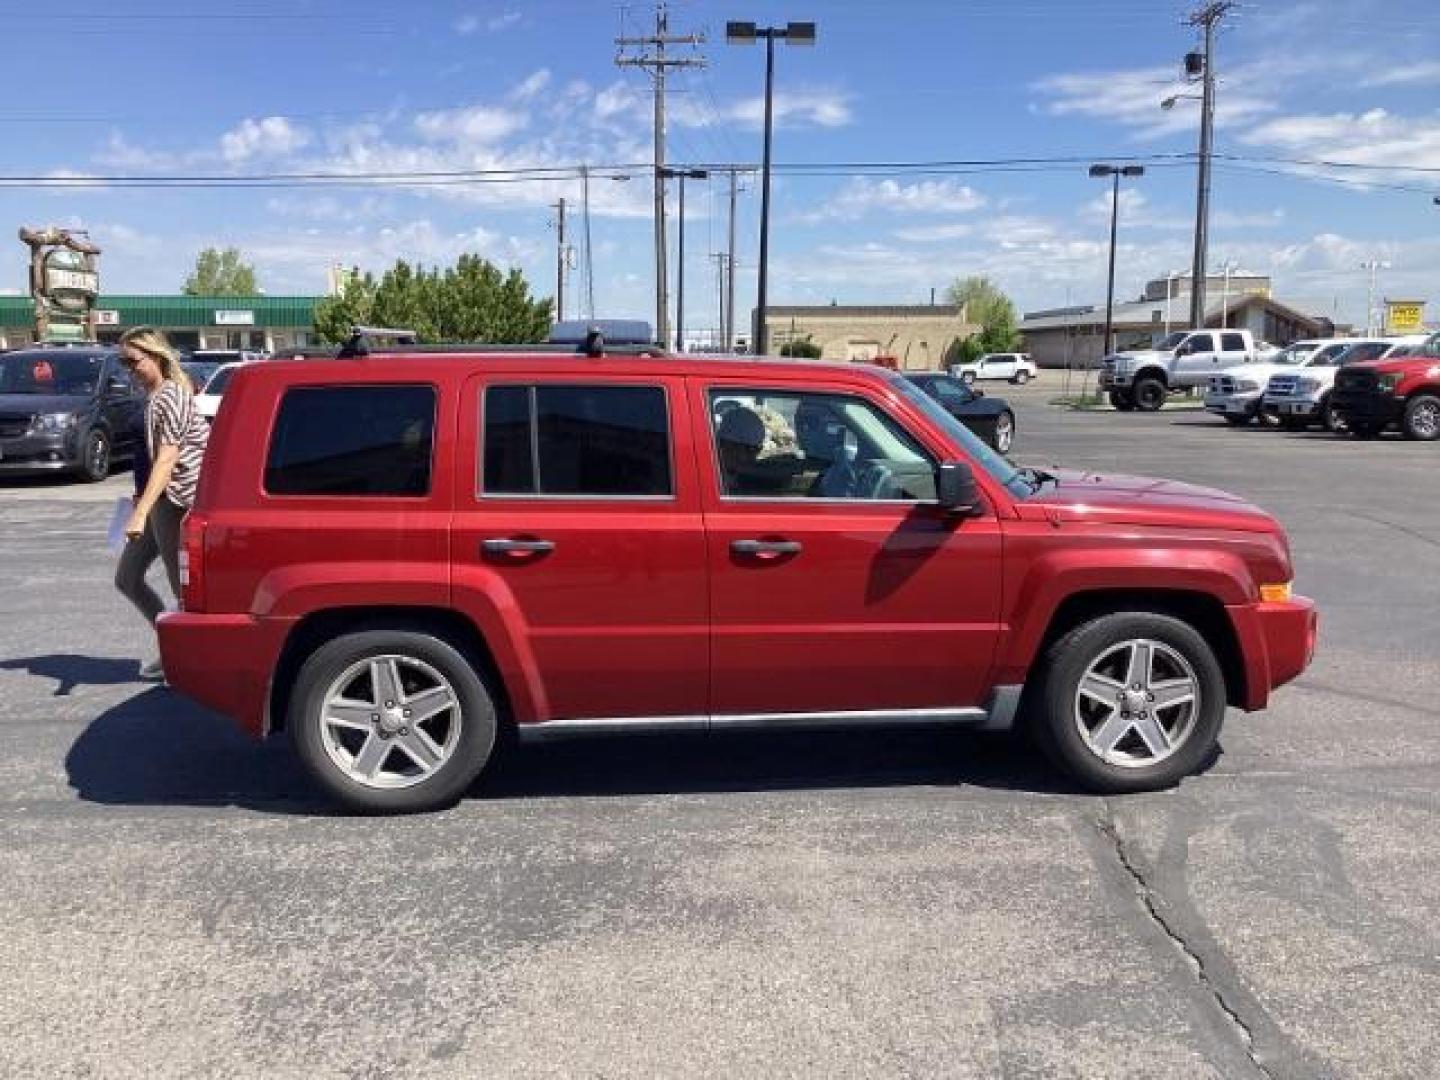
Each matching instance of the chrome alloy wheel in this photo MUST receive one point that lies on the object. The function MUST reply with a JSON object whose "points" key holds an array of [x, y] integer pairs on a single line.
{"points": [[1425, 420], [1004, 433], [390, 721], [1137, 703]]}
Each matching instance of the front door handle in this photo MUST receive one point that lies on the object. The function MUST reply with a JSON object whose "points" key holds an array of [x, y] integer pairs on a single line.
{"points": [[506, 546], [765, 548]]}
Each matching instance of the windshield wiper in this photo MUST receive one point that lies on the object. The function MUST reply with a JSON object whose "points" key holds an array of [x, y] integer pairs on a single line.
{"points": [[1036, 478]]}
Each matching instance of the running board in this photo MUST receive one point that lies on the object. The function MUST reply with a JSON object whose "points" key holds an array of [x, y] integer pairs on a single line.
{"points": [[997, 715]]}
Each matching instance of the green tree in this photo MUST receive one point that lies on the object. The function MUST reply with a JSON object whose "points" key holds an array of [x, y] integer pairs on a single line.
{"points": [[805, 349], [987, 306], [469, 302], [221, 273]]}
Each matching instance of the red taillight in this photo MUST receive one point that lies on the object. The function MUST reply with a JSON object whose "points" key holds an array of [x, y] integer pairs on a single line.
{"points": [[192, 563]]}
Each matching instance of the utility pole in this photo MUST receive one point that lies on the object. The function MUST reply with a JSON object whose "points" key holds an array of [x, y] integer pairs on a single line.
{"points": [[589, 260], [560, 258], [1206, 17], [1374, 266], [729, 328], [721, 258], [653, 59]]}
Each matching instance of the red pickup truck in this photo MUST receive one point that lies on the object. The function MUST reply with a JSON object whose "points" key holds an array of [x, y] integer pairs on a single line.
{"points": [[400, 558], [1402, 392]]}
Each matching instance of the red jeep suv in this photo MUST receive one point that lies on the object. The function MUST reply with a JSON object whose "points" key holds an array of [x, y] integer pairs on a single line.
{"points": [[399, 557]]}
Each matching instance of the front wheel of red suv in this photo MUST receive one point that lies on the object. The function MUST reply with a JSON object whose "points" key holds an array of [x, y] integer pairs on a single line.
{"points": [[1129, 702], [1422, 418], [391, 721]]}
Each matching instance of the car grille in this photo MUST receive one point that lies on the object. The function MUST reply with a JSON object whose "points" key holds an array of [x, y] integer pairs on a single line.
{"points": [[1356, 380], [1282, 385], [11, 426], [1225, 384], [1108, 366]]}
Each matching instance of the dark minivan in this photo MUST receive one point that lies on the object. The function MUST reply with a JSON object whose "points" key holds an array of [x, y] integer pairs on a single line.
{"points": [[67, 410]]}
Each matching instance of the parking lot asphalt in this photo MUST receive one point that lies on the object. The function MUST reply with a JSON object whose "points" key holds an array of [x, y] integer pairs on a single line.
{"points": [[179, 904]]}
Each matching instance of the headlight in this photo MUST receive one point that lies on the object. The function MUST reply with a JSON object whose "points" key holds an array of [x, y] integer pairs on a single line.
{"points": [[54, 422], [1307, 386], [1388, 383]]}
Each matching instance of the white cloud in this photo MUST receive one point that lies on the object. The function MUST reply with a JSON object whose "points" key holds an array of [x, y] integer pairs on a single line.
{"points": [[931, 234], [862, 196], [1420, 74], [478, 124], [272, 136], [1133, 98], [503, 22], [467, 25], [471, 23], [531, 86], [119, 153], [1375, 137], [793, 109]]}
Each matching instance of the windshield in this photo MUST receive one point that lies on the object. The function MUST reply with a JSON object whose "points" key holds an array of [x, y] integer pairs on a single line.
{"points": [[199, 371], [216, 386], [1328, 355], [1172, 341], [57, 373], [992, 462], [1299, 353], [1358, 354]]}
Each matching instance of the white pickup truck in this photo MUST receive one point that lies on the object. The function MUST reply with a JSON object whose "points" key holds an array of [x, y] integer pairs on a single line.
{"points": [[1186, 359], [1301, 398], [1237, 394]]}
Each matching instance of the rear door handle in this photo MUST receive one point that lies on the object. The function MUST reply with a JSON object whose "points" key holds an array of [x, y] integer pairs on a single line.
{"points": [[506, 546], [765, 548]]}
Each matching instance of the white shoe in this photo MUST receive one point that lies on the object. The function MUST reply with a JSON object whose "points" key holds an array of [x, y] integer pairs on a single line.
{"points": [[152, 671]]}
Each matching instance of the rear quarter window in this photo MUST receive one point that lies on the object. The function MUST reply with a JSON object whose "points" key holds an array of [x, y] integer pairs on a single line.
{"points": [[352, 441]]}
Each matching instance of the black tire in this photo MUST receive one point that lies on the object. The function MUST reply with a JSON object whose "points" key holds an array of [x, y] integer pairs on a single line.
{"points": [[1051, 708], [1294, 423], [1422, 418], [1003, 433], [1362, 429], [1021, 378], [1121, 401], [1238, 421], [1329, 419], [1149, 394], [476, 716], [95, 453]]}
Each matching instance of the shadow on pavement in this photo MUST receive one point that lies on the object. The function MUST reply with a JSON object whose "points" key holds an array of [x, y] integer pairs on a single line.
{"points": [[158, 749], [70, 670]]}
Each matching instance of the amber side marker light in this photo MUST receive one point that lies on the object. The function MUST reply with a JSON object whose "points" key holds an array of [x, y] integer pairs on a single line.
{"points": [[1275, 594]]}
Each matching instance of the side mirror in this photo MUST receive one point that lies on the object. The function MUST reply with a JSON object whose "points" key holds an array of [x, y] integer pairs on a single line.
{"points": [[955, 489]]}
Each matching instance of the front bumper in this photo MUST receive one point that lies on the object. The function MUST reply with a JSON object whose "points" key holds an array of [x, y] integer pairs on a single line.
{"points": [[1367, 406], [1242, 404], [225, 662], [1287, 405], [49, 452], [1115, 380], [1277, 641]]}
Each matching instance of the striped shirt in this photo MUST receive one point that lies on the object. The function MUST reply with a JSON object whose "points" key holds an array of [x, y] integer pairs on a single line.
{"points": [[171, 419]]}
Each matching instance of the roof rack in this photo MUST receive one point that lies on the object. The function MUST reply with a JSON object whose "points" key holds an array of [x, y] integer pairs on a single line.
{"points": [[365, 340]]}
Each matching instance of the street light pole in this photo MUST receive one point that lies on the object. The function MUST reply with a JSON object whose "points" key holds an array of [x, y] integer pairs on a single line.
{"points": [[1373, 265], [1207, 17], [1115, 172], [746, 33], [682, 175]]}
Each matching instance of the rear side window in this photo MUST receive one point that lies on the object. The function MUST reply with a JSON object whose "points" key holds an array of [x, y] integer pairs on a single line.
{"points": [[577, 441], [352, 440], [1232, 343]]}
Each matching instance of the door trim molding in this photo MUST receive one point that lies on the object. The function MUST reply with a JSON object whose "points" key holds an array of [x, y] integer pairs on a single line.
{"points": [[996, 715]]}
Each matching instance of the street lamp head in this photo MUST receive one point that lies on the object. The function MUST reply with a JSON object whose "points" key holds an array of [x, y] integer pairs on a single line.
{"points": [[1102, 170], [740, 33], [800, 33], [1133, 170]]}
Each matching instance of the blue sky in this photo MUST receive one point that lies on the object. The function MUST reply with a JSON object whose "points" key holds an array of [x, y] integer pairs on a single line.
{"points": [[323, 86]]}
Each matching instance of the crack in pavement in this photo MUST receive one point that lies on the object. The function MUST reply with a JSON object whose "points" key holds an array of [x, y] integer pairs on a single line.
{"points": [[1106, 825]]}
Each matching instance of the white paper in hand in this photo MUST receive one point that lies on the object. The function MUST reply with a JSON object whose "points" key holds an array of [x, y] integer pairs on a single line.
{"points": [[115, 539]]}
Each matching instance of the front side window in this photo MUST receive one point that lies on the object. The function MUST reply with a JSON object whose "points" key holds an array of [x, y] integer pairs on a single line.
{"points": [[576, 441], [352, 441], [784, 444], [1199, 343]]}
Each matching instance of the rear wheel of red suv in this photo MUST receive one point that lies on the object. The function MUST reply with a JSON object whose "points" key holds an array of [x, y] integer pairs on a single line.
{"points": [[1129, 702], [391, 721]]}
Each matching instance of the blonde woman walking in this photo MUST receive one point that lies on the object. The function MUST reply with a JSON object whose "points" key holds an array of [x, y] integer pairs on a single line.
{"points": [[175, 436]]}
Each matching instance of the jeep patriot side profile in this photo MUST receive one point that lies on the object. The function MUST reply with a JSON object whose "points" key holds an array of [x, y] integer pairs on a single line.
{"points": [[399, 557]]}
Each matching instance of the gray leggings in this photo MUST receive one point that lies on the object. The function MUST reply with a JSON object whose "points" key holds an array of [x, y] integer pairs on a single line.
{"points": [[161, 539]]}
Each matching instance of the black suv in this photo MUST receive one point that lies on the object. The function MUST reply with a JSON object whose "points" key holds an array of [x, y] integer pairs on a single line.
{"points": [[67, 410]]}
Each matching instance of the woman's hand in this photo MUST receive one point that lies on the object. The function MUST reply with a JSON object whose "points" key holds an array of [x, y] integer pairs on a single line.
{"points": [[135, 526]]}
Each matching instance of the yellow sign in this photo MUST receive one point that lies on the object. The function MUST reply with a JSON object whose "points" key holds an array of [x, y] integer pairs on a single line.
{"points": [[1404, 316]]}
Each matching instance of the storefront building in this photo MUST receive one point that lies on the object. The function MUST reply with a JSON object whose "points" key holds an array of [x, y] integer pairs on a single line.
{"points": [[266, 323]]}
